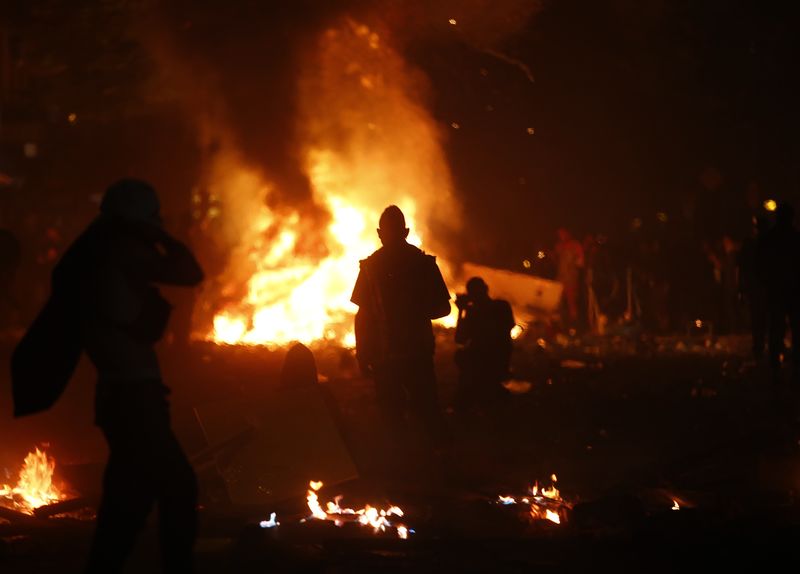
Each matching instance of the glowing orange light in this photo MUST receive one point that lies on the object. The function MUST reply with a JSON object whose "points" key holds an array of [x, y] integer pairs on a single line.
{"points": [[34, 487], [770, 205], [290, 276], [545, 503], [378, 518]]}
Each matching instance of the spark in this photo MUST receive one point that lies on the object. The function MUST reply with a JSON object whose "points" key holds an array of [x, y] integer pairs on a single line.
{"points": [[453, 21], [770, 205]]}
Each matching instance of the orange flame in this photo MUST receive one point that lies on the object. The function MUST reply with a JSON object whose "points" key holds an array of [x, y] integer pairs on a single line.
{"points": [[367, 141], [378, 518], [34, 487], [545, 503]]}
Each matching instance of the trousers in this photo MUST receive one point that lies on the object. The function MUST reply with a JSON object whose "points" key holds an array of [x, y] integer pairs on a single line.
{"points": [[146, 467], [408, 386]]}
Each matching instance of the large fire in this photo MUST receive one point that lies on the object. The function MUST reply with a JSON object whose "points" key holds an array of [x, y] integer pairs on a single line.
{"points": [[34, 487], [368, 141]]}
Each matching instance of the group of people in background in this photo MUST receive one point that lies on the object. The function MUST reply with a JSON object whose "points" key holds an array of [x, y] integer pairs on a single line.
{"points": [[677, 283]]}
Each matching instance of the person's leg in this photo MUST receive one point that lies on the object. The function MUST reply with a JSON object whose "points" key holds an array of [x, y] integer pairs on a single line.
{"points": [[391, 397], [177, 507], [128, 497], [420, 381], [465, 398], [794, 325], [758, 324], [777, 331]]}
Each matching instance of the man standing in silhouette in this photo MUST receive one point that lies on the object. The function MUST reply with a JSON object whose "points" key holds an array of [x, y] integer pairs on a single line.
{"points": [[110, 274], [778, 261], [399, 291], [752, 287], [569, 253], [484, 331]]}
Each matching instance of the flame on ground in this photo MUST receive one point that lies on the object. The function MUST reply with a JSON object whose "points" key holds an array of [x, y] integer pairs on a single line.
{"points": [[379, 519], [545, 503], [35, 487]]}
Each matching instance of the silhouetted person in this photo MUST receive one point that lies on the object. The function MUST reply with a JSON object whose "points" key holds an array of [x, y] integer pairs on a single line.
{"points": [[299, 374], [569, 253], [484, 331], [299, 368], [752, 287], [399, 291], [729, 285], [778, 260], [111, 271]]}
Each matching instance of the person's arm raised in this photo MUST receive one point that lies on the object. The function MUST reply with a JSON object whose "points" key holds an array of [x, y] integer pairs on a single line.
{"points": [[161, 258]]}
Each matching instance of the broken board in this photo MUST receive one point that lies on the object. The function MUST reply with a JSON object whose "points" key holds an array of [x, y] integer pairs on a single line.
{"points": [[291, 439], [523, 291]]}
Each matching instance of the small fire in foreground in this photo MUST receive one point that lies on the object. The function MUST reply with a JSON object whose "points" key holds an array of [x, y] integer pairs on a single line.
{"points": [[378, 518], [35, 487], [545, 503]]}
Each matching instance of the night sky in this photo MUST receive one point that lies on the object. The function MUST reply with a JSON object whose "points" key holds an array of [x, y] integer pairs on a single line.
{"points": [[636, 106]]}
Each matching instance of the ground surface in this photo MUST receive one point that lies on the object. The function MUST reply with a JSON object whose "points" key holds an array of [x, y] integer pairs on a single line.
{"points": [[628, 428]]}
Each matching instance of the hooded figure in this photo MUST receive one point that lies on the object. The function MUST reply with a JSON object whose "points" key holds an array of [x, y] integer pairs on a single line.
{"points": [[104, 301]]}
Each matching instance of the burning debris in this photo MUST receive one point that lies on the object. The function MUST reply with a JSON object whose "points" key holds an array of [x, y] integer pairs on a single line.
{"points": [[378, 518], [367, 141], [545, 503], [34, 487]]}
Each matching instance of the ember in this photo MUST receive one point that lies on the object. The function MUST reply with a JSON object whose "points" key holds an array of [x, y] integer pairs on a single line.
{"points": [[545, 503], [35, 487], [378, 518]]}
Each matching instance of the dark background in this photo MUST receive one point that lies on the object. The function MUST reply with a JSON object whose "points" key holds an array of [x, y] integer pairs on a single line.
{"points": [[638, 107]]}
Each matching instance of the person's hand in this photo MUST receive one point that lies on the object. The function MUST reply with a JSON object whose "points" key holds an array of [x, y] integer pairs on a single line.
{"points": [[462, 301]]}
